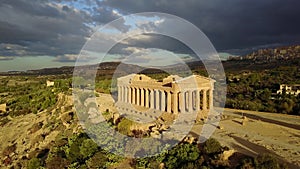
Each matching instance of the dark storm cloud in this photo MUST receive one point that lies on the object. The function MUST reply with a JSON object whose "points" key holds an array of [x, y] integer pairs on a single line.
{"points": [[60, 27], [231, 25], [150, 41], [45, 27], [41, 28]]}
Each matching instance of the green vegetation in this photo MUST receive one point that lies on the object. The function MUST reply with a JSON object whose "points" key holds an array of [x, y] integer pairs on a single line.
{"points": [[104, 86], [195, 156], [263, 161], [212, 146], [30, 99], [257, 90], [124, 126], [253, 90], [266, 161], [78, 151], [24, 95], [34, 163]]}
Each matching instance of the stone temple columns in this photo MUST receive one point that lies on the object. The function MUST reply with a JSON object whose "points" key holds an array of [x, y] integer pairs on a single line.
{"points": [[150, 98], [189, 100]]}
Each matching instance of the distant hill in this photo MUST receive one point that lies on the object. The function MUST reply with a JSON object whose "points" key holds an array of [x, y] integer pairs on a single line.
{"points": [[262, 59], [271, 55], [265, 59]]}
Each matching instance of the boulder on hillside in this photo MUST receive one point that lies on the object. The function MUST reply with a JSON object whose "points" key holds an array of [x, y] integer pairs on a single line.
{"points": [[226, 154]]}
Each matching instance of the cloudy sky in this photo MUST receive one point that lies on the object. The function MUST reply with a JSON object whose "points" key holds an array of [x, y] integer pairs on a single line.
{"points": [[51, 33]]}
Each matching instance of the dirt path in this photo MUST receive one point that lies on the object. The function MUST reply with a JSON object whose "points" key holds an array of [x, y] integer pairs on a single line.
{"points": [[257, 149], [262, 133]]}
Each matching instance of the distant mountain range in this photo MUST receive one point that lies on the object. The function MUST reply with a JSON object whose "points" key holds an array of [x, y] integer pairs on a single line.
{"points": [[259, 60]]}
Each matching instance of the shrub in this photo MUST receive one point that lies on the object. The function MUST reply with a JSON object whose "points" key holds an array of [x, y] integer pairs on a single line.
{"points": [[212, 146], [266, 161], [56, 162], [181, 155], [34, 163], [246, 163], [97, 161], [73, 153], [124, 126]]}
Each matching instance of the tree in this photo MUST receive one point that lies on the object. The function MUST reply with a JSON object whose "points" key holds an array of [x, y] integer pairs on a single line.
{"points": [[181, 155], [286, 106], [88, 148]]}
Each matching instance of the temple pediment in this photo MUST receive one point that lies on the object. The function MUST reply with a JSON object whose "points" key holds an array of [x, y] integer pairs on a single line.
{"points": [[195, 78], [140, 78]]}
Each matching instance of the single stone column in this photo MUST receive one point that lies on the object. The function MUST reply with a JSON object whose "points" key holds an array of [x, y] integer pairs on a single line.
{"points": [[186, 100], [211, 99], [175, 104], [126, 94], [204, 99], [138, 96], [133, 96], [169, 102], [129, 95], [197, 100], [163, 101], [181, 102], [147, 98], [119, 93], [157, 99], [152, 99], [142, 97], [122, 94], [190, 93]]}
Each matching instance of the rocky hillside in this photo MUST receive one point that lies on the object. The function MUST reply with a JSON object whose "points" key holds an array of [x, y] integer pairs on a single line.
{"points": [[272, 55], [32, 135]]}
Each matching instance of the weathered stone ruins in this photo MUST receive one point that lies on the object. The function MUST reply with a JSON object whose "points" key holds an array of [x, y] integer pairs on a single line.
{"points": [[173, 94], [289, 89]]}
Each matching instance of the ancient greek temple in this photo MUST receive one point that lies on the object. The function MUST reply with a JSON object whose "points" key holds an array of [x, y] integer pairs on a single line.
{"points": [[173, 94]]}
